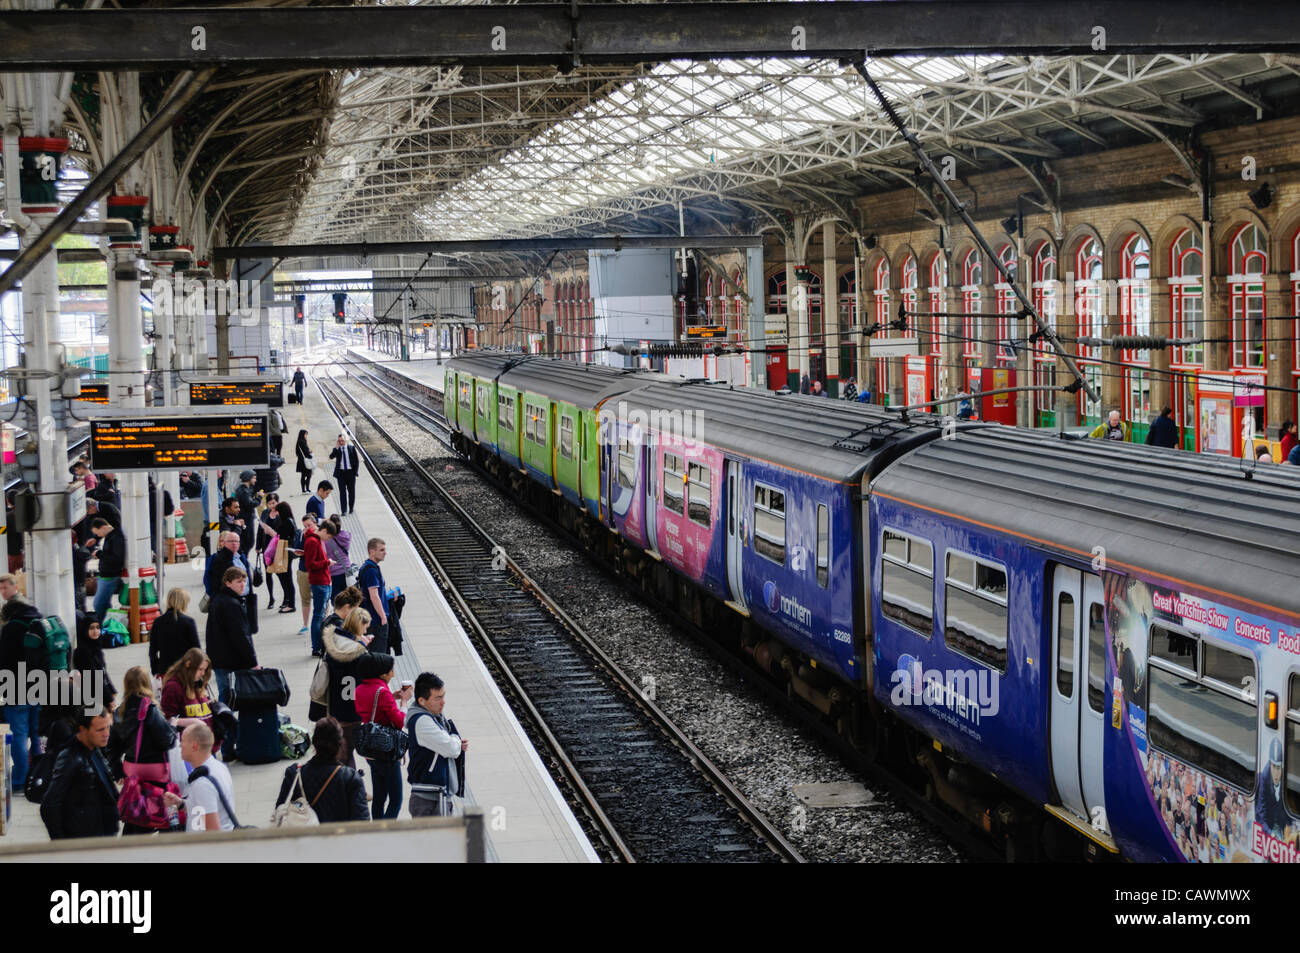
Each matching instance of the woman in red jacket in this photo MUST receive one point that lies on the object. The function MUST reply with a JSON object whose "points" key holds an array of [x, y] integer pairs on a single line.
{"points": [[375, 702], [317, 566]]}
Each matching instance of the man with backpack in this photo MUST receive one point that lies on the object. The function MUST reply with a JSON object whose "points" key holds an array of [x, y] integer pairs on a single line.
{"points": [[28, 644]]}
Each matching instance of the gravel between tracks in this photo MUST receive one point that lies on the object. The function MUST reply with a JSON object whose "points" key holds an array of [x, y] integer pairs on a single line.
{"points": [[764, 754]]}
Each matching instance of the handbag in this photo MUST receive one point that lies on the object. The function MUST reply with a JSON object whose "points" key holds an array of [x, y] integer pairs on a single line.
{"points": [[258, 688], [309, 463], [257, 573], [205, 602], [320, 684], [268, 556], [141, 802], [296, 811], [376, 742], [92, 584], [280, 563]]}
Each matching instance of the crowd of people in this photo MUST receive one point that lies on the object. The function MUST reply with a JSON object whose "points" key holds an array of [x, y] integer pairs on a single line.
{"points": [[157, 755]]}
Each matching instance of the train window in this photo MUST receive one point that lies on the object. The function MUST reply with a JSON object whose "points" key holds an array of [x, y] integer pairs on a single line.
{"points": [[482, 400], [566, 436], [1174, 647], [464, 395], [529, 417], [907, 581], [626, 463], [1096, 657], [1065, 644], [769, 523], [1196, 717], [699, 494], [674, 481], [540, 433], [1293, 747], [975, 601], [506, 411], [823, 545]]}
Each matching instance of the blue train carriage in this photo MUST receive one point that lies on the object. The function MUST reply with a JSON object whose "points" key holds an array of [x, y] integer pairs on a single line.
{"points": [[1008, 564], [775, 482]]}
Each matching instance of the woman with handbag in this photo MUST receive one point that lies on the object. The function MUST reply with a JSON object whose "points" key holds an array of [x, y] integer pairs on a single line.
{"points": [[138, 745], [306, 465], [265, 533], [375, 703], [282, 563], [326, 786]]}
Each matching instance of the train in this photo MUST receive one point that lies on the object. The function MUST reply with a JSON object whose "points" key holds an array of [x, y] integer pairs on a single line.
{"points": [[1088, 650]]}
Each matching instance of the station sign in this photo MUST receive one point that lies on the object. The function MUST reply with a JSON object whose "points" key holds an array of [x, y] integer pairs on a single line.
{"points": [[94, 392], [162, 441], [895, 347], [707, 331], [229, 393]]}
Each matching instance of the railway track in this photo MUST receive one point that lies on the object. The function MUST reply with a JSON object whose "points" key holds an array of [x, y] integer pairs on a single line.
{"points": [[650, 794], [416, 406]]}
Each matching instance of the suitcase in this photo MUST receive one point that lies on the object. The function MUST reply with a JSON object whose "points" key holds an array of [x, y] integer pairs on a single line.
{"points": [[293, 397], [259, 736], [261, 688]]}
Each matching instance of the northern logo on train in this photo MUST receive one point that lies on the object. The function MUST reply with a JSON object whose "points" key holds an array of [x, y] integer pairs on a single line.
{"points": [[771, 596]]}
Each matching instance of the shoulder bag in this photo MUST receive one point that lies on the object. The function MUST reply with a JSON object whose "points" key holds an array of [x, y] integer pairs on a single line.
{"points": [[141, 802], [296, 812], [377, 742]]}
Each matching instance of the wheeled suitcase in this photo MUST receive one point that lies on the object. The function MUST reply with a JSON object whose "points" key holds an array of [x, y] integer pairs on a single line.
{"points": [[259, 736]]}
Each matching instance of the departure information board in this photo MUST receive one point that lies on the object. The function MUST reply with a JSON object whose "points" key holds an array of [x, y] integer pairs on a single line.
{"points": [[233, 393], [208, 441], [94, 392]]}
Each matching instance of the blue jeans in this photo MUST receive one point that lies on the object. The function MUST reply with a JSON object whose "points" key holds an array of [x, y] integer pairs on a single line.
{"points": [[104, 591], [386, 777], [22, 721], [320, 597]]}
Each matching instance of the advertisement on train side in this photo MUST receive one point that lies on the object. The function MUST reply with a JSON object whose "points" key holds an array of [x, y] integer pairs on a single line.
{"points": [[1204, 692]]}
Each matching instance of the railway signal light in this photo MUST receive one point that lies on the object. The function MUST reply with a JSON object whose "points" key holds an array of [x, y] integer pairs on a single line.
{"points": [[340, 301], [299, 309]]}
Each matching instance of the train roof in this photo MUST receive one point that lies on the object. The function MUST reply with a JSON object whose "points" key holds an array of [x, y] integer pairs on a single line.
{"points": [[1189, 516], [580, 384], [488, 364], [832, 439]]}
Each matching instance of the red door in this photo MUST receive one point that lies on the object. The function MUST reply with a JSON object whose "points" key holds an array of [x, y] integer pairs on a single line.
{"points": [[777, 372]]}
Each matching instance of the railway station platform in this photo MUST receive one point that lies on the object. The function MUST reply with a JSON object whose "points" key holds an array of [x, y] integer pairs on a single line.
{"points": [[425, 370], [525, 816]]}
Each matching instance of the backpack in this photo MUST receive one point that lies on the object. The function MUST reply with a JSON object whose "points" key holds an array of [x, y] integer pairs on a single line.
{"points": [[294, 741], [46, 645], [41, 771]]}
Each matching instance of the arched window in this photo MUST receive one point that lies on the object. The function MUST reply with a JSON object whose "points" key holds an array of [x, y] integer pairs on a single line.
{"points": [[972, 276], [1185, 290], [882, 295], [1008, 325], [776, 293], [813, 289], [1249, 264], [1088, 301], [1135, 298], [907, 290], [708, 299], [848, 298], [938, 300], [737, 305], [1044, 292]]}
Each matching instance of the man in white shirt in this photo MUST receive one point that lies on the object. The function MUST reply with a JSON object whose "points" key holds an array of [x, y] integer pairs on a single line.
{"points": [[436, 770], [210, 800]]}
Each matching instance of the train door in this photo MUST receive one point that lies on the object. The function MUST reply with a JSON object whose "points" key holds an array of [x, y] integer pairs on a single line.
{"points": [[735, 533], [1078, 693], [649, 454]]}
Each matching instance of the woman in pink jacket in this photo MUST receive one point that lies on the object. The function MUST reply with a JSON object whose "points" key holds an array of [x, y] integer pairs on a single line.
{"points": [[375, 702]]}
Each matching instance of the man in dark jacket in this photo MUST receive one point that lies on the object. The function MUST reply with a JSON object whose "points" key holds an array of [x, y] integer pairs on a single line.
{"points": [[346, 464], [228, 637], [226, 557], [81, 800], [112, 560], [248, 498], [1163, 432], [299, 381], [24, 720], [106, 491], [97, 508]]}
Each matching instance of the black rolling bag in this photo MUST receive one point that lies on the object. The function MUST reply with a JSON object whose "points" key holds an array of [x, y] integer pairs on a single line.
{"points": [[259, 736]]}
